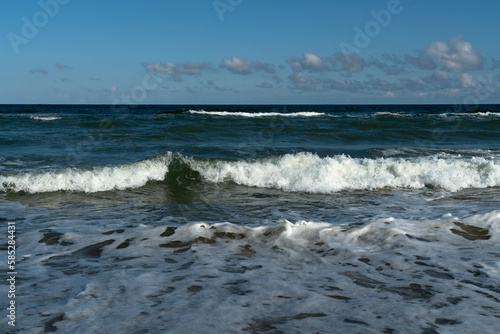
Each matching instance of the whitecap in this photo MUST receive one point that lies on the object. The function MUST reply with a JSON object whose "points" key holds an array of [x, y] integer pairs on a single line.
{"points": [[257, 114]]}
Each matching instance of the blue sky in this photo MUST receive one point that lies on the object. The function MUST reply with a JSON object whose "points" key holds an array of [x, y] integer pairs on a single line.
{"points": [[249, 51]]}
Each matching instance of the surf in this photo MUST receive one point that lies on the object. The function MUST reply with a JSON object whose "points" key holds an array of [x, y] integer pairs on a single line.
{"points": [[299, 172], [257, 114]]}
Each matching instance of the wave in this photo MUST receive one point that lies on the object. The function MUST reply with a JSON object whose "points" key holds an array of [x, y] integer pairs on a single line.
{"points": [[405, 115], [301, 172], [132, 175], [302, 236], [388, 113], [488, 113], [384, 265], [45, 118], [311, 173], [257, 114], [478, 114]]}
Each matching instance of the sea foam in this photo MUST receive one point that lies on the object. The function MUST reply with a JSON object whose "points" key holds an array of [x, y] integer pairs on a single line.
{"points": [[287, 273], [311, 173], [258, 114], [291, 172], [132, 175], [45, 118]]}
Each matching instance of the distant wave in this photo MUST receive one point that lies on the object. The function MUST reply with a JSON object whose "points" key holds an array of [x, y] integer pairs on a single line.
{"points": [[383, 114], [418, 115], [388, 113], [489, 113], [45, 118], [472, 114], [292, 172], [257, 114]]}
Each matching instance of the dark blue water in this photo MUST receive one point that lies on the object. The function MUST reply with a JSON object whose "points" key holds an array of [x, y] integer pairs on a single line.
{"points": [[100, 135]]}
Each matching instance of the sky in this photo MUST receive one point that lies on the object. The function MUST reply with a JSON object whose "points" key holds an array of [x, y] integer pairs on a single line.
{"points": [[249, 52]]}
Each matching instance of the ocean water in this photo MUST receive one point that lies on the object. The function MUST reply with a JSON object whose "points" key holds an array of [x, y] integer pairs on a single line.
{"points": [[252, 219]]}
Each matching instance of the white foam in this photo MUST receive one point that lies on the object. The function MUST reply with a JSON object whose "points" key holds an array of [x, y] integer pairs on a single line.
{"points": [[257, 114], [132, 175], [387, 273], [45, 118], [471, 114], [311, 173], [388, 113], [488, 113], [374, 114], [292, 172]]}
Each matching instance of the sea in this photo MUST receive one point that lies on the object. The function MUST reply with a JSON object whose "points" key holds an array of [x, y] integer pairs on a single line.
{"points": [[251, 218]]}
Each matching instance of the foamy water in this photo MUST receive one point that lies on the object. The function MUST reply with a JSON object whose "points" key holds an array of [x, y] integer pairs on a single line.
{"points": [[308, 172], [45, 118], [257, 114], [89, 180], [292, 172], [388, 273]]}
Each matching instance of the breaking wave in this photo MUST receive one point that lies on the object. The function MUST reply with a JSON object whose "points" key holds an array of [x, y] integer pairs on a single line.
{"points": [[257, 114], [132, 175], [45, 118], [298, 172]]}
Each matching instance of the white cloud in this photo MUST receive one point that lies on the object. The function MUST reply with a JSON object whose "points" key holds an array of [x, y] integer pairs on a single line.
{"points": [[313, 61], [245, 66], [299, 81], [440, 80], [456, 55], [309, 62], [466, 80], [297, 77], [176, 70]]}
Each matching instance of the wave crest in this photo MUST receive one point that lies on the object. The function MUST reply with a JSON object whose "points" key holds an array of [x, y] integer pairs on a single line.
{"points": [[311, 173], [305, 172], [257, 114], [45, 118], [132, 175]]}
